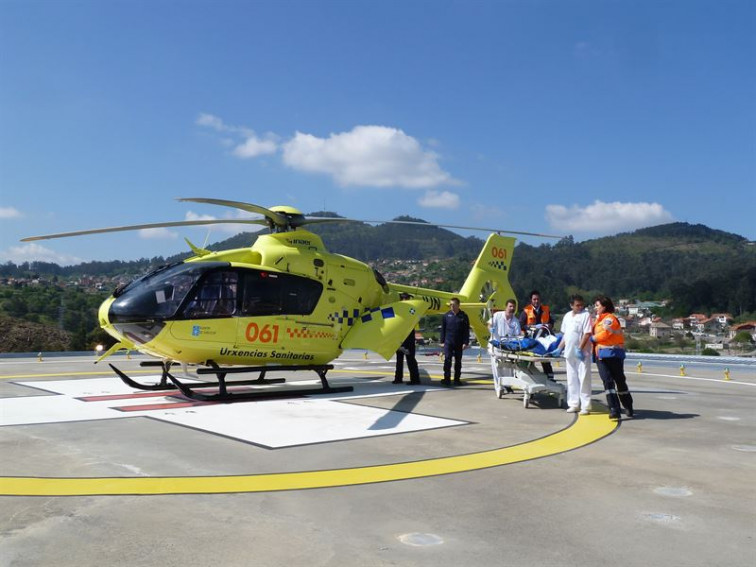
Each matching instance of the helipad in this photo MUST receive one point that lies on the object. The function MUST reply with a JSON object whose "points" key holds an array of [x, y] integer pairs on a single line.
{"points": [[458, 466]]}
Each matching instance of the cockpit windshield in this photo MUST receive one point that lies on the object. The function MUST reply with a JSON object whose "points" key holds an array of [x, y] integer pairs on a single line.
{"points": [[158, 295]]}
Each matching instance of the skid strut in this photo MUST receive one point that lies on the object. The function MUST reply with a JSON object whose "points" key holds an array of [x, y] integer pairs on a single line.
{"points": [[170, 382]]}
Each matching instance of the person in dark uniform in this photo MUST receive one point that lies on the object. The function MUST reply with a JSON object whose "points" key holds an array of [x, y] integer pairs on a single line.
{"points": [[535, 313], [407, 350], [455, 337]]}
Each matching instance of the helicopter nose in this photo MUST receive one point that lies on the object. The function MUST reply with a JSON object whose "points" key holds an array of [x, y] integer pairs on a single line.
{"points": [[123, 324]]}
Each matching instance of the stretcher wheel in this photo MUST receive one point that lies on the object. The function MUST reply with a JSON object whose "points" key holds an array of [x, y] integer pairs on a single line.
{"points": [[498, 388]]}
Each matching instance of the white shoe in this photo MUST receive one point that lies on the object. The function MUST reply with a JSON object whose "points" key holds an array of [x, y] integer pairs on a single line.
{"points": [[585, 411], [573, 410]]}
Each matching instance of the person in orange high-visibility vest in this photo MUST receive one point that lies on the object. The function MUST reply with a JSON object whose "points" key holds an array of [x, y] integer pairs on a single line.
{"points": [[609, 352], [537, 314]]}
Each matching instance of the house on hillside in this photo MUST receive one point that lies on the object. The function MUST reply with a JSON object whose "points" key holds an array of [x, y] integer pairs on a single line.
{"points": [[696, 322], [632, 309], [680, 324], [659, 330], [724, 319], [711, 326]]}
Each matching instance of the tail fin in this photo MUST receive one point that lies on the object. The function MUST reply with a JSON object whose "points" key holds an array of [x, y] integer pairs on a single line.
{"points": [[488, 282]]}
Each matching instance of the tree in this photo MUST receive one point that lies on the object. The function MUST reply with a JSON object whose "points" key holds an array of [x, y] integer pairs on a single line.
{"points": [[743, 338]]}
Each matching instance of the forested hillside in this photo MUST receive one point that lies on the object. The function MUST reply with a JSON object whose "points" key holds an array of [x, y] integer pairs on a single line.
{"points": [[699, 269], [385, 241]]}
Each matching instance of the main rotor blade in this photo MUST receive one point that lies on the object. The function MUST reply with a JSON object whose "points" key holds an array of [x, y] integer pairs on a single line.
{"points": [[144, 226], [309, 220], [277, 218]]}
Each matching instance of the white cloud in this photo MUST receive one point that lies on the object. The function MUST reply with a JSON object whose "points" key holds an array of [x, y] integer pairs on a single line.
{"points": [[225, 228], [9, 213], [606, 218], [439, 200], [254, 146], [157, 234], [366, 156], [36, 253], [211, 121], [373, 156], [194, 216]]}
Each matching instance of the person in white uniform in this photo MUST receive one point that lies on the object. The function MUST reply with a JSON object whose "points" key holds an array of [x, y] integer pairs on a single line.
{"points": [[504, 324], [576, 347]]}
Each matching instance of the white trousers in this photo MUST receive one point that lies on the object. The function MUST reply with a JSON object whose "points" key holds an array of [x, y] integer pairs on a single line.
{"points": [[579, 382]]}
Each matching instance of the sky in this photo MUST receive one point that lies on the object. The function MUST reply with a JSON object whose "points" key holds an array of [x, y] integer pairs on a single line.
{"points": [[567, 117]]}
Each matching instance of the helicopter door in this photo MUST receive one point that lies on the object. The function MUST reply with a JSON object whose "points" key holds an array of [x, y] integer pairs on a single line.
{"points": [[210, 312], [273, 307]]}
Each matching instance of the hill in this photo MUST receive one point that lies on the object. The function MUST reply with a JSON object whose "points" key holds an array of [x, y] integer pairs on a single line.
{"points": [[698, 268], [384, 241]]}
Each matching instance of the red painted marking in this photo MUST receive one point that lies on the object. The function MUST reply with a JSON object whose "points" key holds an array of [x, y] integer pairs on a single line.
{"points": [[168, 405], [109, 397]]}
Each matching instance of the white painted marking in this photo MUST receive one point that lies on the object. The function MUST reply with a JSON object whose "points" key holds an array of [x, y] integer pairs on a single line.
{"points": [[745, 448], [420, 540], [728, 418], [662, 518], [271, 423]]}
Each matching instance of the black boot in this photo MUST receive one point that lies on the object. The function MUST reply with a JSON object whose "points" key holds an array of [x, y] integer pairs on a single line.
{"points": [[612, 401], [627, 402]]}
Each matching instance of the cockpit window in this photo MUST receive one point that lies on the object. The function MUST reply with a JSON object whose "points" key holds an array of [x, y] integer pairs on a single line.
{"points": [[158, 296], [215, 297], [205, 290]]}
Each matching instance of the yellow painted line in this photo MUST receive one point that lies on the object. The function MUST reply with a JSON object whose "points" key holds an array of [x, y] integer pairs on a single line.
{"points": [[583, 431], [357, 371]]}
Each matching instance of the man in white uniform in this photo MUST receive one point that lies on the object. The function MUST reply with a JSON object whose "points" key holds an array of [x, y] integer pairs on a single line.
{"points": [[504, 324], [576, 346]]}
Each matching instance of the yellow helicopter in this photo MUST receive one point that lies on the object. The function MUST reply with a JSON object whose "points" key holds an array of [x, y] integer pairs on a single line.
{"points": [[285, 303]]}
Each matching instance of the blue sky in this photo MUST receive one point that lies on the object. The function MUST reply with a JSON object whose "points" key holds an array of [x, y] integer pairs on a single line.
{"points": [[570, 117]]}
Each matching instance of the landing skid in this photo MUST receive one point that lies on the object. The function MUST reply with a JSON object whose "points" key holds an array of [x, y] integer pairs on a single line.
{"points": [[169, 382]]}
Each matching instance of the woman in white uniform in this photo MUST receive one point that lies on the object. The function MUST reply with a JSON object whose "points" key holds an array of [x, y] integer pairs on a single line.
{"points": [[576, 347]]}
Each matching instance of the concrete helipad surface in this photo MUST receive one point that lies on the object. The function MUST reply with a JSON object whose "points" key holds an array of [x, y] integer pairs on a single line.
{"points": [[94, 473]]}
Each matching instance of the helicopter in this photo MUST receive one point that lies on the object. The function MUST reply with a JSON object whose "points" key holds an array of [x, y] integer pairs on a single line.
{"points": [[284, 303]]}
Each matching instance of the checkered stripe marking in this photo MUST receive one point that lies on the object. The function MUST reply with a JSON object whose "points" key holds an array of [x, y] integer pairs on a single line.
{"points": [[350, 318], [498, 264], [345, 316], [300, 333]]}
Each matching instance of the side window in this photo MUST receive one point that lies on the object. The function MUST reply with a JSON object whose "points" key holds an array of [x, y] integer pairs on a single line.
{"points": [[267, 293], [262, 294], [215, 297], [300, 295]]}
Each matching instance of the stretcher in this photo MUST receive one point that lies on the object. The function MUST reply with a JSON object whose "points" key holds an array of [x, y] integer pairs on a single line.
{"points": [[517, 371]]}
